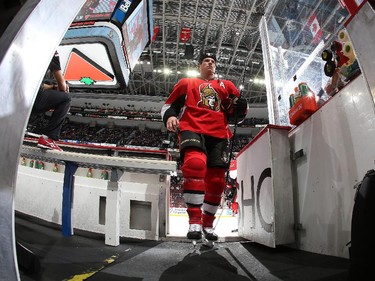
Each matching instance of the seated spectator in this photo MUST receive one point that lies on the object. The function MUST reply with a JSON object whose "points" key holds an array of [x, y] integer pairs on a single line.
{"points": [[56, 98]]}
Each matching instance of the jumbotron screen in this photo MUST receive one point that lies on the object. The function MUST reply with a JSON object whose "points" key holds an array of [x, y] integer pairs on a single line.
{"points": [[96, 10], [136, 33]]}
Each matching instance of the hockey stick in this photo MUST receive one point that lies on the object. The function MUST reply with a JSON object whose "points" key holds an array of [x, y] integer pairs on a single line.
{"points": [[229, 160]]}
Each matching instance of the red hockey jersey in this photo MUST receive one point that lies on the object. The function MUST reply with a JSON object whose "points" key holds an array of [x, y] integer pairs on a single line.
{"points": [[197, 103]]}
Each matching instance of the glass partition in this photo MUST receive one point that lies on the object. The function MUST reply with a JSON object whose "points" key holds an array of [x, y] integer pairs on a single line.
{"points": [[294, 34]]}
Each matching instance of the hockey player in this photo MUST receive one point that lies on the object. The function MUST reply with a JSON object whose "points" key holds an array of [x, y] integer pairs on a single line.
{"points": [[199, 110]]}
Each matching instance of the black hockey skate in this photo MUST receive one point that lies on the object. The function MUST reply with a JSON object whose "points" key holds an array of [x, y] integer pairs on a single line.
{"points": [[194, 233], [209, 237]]}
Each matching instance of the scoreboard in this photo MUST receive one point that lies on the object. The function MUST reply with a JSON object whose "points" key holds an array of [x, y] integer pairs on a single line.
{"points": [[104, 42]]}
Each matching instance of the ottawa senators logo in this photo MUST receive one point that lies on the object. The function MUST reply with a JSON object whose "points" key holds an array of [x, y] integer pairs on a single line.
{"points": [[209, 98]]}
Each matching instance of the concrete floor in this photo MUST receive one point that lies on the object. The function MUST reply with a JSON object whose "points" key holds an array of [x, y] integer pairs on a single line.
{"points": [[84, 256]]}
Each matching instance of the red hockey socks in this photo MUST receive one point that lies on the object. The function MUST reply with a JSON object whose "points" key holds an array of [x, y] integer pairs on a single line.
{"points": [[215, 183]]}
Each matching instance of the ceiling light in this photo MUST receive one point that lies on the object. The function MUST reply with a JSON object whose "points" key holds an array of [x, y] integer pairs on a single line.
{"points": [[167, 71], [192, 73], [259, 81]]}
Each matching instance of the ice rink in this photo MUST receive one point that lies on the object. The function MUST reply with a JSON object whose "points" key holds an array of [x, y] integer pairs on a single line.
{"points": [[226, 224]]}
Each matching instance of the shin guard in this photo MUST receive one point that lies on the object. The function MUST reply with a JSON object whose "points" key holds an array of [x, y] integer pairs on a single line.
{"points": [[215, 183], [194, 170]]}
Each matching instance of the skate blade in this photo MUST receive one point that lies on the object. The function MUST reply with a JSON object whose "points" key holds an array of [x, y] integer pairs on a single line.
{"points": [[196, 250], [208, 243]]}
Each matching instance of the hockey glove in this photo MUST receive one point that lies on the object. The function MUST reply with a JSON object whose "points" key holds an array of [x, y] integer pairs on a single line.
{"points": [[226, 104], [238, 112]]}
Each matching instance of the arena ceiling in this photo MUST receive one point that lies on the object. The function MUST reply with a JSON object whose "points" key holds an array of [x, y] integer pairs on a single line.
{"points": [[228, 29]]}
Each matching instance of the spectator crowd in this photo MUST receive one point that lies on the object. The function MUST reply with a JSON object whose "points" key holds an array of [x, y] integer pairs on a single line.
{"points": [[127, 136], [120, 135]]}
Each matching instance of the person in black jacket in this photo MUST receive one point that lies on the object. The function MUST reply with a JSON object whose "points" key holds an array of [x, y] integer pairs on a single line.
{"points": [[53, 97]]}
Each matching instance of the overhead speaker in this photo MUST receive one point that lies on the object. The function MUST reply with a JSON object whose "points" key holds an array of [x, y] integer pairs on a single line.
{"points": [[189, 52]]}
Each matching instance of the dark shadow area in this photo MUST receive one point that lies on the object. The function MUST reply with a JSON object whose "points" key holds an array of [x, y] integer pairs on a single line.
{"points": [[208, 265], [291, 264], [85, 256], [8, 10], [61, 257]]}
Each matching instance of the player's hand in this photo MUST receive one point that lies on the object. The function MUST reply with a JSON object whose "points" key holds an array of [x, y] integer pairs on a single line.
{"points": [[172, 124], [227, 103], [239, 104], [47, 87], [65, 87]]}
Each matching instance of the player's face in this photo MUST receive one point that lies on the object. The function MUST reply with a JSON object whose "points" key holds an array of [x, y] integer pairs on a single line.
{"points": [[207, 67]]}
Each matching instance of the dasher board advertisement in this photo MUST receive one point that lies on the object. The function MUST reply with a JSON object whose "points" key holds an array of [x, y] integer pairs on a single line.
{"points": [[265, 188]]}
